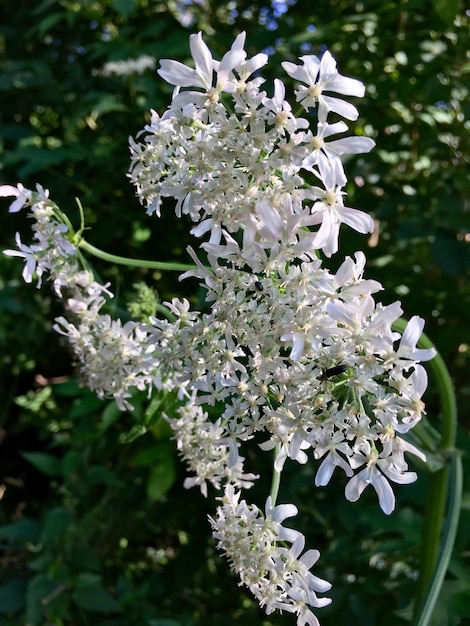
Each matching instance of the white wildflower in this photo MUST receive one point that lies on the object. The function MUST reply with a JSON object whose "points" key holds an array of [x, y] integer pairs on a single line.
{"points": [[320, 76], [278, 576]]}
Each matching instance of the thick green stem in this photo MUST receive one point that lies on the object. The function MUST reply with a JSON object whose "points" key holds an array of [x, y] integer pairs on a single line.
{"points": [[443, 497], [120, 260], [452, 477]]}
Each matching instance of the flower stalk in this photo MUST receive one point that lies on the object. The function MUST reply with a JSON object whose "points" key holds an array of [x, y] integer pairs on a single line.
{"points": [[141, 263], [443, 495]]}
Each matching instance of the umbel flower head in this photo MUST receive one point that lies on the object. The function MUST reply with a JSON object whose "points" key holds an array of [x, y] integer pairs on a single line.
{"points": [[301, 357], [235, 159]]}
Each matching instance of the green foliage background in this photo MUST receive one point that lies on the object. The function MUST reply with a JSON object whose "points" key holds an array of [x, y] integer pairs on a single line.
{"points": [[96, 531]]}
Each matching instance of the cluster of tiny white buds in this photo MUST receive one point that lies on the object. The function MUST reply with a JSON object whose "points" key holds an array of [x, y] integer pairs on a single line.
{"points": [[210, 454], [257, 548], [112, 358]]}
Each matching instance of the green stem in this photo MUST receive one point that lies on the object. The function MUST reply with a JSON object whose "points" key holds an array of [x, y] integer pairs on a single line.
{"points": [[121, 260], [166, 312], [276, 481], [443, 497], [452, 477]]}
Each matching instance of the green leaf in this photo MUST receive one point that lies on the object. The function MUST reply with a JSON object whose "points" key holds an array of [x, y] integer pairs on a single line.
{"points": [[110, 415], [91, 595], [124, 7], [153, 414], [460, 603], [48, 22], [71, 463], [87, 405], [36, 158], [41, 562], [55, 524], [154, 454], [136, 431], [12, 596], [45, 463], [99, 475], [82, 557], [40, 588], [446, 10], [450, 254], [107, 104], [161, 479], [24, 530], [161, 458], [70, 388]]}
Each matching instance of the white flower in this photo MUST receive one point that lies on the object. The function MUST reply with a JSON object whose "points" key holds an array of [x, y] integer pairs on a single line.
{"points": [[247, 67], [280, 111], [112, 358], [330, 212], [320, 76], [128, 67], [52, 251], [411, 391], [329, 153], [349, 280], [407, 350], [241, 170], [287, 352], [24, 197], [209, 453], [379, 468], [370, 475], [335, 446], [201, 76], [32, 260]]}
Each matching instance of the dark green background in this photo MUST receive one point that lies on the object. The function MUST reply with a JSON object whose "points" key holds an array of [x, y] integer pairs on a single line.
{"points": [[93, 531]]}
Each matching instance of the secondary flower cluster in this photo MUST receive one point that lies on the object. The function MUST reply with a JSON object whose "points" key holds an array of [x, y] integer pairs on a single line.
{"points": [[256, 546], [112, 358], [299, 356]]}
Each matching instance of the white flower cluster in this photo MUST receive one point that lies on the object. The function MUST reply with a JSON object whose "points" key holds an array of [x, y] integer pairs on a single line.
{"points": [[288, 349], [301, 357], [128, 67], [112, 358], [256, 547], [239, 168], [209, 453]]}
